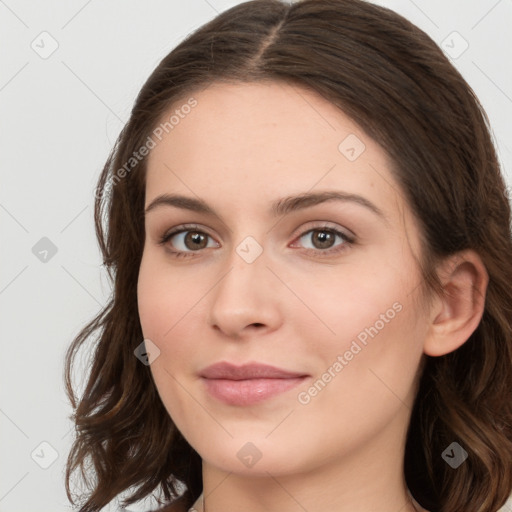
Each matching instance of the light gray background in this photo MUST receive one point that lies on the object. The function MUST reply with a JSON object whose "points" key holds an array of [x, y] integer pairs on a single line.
{"points": [[59, 117]]}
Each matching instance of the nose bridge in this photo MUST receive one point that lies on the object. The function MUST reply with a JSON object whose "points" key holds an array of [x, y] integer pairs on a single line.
{"points": [[246, 272], [243, 295]]}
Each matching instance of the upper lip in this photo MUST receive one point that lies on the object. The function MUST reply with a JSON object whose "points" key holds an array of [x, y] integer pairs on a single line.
{"points": [[224, 370]]}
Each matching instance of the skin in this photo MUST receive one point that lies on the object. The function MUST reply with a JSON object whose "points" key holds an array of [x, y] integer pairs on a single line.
{"points": [[241, 148]]}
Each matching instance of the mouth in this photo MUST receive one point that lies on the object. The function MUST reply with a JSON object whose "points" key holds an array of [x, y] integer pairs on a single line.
{"points": [[248, 384]]}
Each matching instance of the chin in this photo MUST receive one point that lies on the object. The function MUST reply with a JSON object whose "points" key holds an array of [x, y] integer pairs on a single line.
{"points": [[256, 455]]}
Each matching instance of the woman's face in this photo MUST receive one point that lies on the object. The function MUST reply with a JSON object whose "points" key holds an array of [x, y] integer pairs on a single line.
{"points": [[326, 290]]}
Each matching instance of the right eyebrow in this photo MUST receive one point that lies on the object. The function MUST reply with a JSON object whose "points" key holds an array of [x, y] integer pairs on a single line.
{"points": [[184, 202]]}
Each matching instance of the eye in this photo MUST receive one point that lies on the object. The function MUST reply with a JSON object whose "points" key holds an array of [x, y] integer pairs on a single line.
{"points": [[323, 240], [186, 240]]}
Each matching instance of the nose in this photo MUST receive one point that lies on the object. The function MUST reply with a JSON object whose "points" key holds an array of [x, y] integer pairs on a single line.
{"points": [[246, 299]]}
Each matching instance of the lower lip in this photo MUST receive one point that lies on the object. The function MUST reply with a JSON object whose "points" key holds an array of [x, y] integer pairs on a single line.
{"points": [[250, 391]]}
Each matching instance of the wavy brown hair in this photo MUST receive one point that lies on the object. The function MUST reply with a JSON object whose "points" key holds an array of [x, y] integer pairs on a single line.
{"points": [[394, 81]]}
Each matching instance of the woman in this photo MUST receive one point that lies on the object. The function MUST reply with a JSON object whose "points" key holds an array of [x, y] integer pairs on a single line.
{"points": [[309, 238]]}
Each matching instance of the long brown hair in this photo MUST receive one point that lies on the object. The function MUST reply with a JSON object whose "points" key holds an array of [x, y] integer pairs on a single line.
{"points": [[395, 82]]}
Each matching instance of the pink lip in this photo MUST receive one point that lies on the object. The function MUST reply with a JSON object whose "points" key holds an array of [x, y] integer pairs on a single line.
{"points": [[248, 384]]}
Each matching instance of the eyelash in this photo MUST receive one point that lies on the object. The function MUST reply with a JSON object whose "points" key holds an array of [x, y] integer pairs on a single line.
{"points": [[348, 240]]}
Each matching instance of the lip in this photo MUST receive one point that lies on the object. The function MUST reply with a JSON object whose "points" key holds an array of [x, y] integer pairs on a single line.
{"points": [[248, 384]]}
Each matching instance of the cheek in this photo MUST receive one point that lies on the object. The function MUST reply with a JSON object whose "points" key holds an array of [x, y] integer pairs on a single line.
{"points": [[365, 378], [351, 305], [164, 304], [371, 320], [164, 295], [172, 304]]}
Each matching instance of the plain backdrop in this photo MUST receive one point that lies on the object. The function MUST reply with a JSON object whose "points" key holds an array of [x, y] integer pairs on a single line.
{"points": [[69, 73]]}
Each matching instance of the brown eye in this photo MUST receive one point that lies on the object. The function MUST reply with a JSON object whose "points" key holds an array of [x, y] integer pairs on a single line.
{"points": [[195, 240], [184, 242], [324, 238]]}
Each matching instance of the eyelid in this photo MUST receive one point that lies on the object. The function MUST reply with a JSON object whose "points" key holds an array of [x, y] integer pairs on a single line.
{"points": [[185, 227], [323, 224]]}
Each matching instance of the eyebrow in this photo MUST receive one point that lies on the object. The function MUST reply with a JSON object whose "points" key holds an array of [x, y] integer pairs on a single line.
{"points": [[282, 206]]}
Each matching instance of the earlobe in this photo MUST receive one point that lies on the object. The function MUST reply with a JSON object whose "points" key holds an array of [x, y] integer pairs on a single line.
{"points": [[456, 315]]}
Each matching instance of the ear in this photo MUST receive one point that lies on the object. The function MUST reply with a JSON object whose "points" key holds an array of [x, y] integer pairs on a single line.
{"points": [[456, 315]]}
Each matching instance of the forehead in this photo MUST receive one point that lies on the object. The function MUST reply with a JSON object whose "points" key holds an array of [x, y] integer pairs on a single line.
{"points": [[244, 145], [265, 122]]}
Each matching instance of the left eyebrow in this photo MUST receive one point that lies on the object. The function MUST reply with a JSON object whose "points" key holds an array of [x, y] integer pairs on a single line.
{"points": [[282, 206], [306, 200]]}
